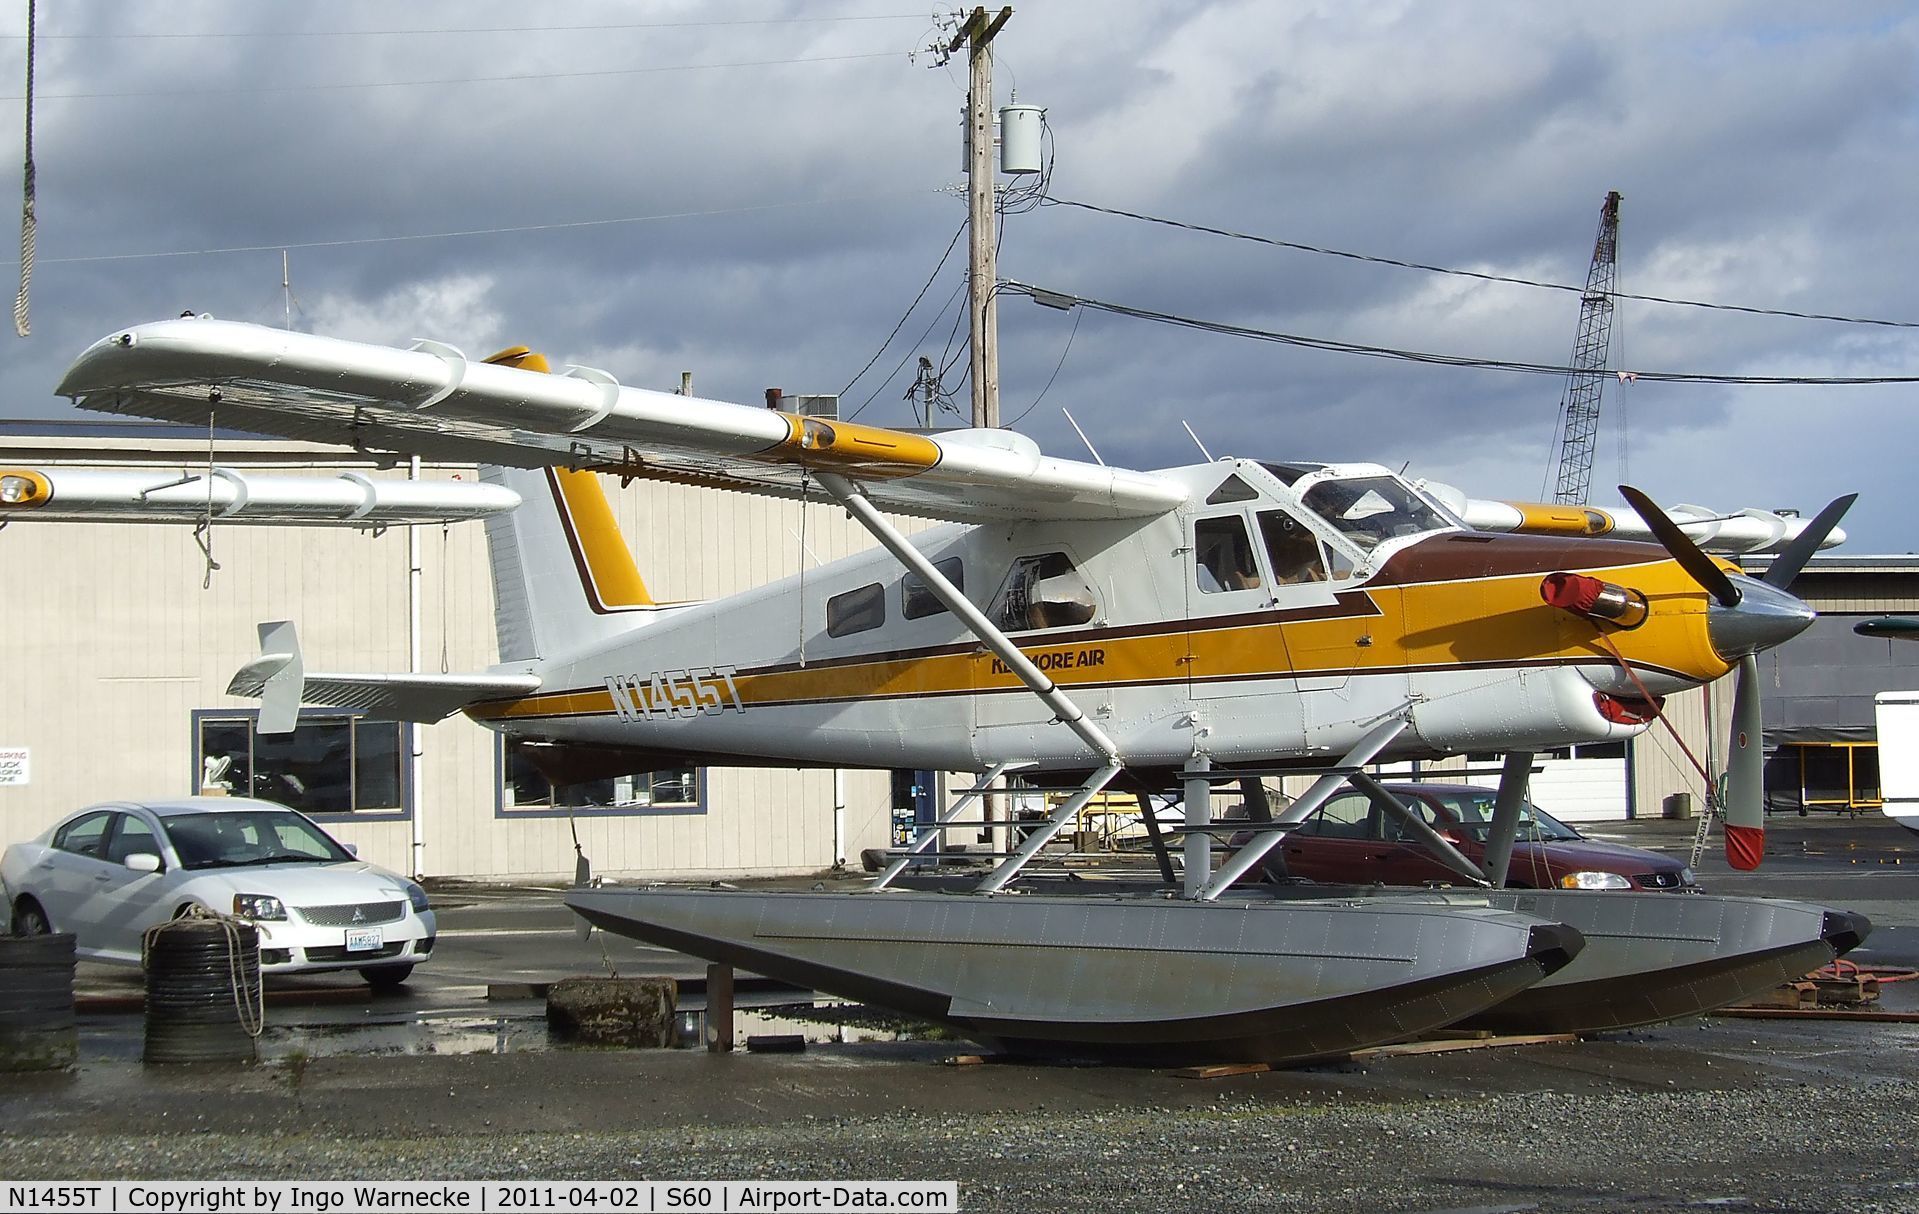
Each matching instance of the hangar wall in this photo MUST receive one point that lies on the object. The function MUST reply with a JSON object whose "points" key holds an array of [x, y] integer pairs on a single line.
{"points": [[113, 651]]}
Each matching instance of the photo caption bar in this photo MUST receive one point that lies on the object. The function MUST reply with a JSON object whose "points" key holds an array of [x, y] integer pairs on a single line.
{"points": [[480, 1197]]}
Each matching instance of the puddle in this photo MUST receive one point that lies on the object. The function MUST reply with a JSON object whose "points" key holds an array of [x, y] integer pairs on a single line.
{"points": [[421, 1035], [324, 1033], [822, 1022]]}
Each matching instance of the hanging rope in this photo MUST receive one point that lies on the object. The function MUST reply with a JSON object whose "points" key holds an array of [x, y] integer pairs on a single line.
{"points": [[203, 530], [20, 324]]}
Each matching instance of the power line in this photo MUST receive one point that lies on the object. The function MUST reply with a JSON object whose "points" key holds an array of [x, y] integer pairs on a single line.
{"points": [[1077, 317], [1058, 299], [521, 76], [1480, 275], [517, 230], [931, 325], [479, 29], [941, 265]]}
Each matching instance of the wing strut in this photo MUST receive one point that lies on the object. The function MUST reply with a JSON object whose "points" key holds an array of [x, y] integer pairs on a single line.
{"points": [[1435, 842], [849, 495], [1377, 739], [1513, 779]]}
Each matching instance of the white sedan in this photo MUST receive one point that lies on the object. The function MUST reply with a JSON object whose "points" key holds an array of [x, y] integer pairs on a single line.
{"points": [[110, 872]]}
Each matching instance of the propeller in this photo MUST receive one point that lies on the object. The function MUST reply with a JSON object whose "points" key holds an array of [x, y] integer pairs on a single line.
{"points": [[1701, 567], [1787, 564], [1745, 806]]}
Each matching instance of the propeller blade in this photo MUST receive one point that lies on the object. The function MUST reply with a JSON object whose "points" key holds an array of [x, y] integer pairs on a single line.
{"points": [[1711, 578], [582, 876], [1745, 773], [1787, 564]]}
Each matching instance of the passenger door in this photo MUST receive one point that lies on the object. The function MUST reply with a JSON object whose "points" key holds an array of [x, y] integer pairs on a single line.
{"points": [[1337, 844], [63, 878], [121, 903], [1406, 860]]}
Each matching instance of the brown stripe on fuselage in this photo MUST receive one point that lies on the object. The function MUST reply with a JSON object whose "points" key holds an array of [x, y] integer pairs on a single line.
{"points": [[1462, 556]]}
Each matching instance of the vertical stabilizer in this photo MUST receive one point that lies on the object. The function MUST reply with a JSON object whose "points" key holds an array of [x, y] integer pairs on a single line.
{"points": [[563, 577]]}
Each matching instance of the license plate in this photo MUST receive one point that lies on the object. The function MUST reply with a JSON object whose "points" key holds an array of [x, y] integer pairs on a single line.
{"points": [[363, 940]]}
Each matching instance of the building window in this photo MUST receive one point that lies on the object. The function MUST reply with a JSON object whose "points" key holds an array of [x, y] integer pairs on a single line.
{"points": [[331, 764], [856, 611], [525, 790]]}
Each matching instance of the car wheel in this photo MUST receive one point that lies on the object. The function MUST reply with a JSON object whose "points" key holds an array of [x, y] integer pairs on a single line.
{"points": [[30, 920], [386, 977]]}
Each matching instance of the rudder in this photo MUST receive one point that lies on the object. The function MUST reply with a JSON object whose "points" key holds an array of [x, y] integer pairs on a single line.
{"points": [[563, 577]]}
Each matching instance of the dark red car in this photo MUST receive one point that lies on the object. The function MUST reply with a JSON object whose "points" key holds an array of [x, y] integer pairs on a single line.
{"points": [[1352, 840]]}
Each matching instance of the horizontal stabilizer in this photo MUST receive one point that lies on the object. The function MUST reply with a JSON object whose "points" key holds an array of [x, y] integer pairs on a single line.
{"points": [[395, 697], [276, 677]]}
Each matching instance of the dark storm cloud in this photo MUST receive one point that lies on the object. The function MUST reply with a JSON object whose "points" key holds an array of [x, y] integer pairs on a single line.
{"points": [[1765, 157]]}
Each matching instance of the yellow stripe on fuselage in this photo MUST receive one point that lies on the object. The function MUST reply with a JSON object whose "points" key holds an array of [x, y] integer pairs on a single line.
{"points": [[1476, 623]]}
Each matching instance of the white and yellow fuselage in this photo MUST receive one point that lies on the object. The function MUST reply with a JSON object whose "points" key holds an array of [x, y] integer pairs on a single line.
{"points": [[1447, 625]]}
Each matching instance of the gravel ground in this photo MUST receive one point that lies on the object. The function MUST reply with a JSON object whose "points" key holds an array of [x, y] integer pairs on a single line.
{"points": [[1721, 1114]]}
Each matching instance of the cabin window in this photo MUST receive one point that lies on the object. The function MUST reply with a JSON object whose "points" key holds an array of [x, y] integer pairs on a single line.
{"points": [[332, 762], [1223, 555], [1043, 592], [1232, 489], [856, 611], [1292, 548], [916, 598], [1369, 509]]}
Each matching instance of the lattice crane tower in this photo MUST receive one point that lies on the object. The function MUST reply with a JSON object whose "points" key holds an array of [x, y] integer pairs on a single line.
{"points": [[1579, 408]]}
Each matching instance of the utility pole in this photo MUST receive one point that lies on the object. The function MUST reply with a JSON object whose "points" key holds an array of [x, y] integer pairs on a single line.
{"points": [[976, 33]]}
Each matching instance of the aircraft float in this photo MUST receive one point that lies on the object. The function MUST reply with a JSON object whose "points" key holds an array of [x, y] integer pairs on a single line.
{"points": [[1080, 627]]}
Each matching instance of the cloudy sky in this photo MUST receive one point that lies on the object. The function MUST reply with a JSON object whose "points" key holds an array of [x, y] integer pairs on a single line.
{"points": [[755, 191]]}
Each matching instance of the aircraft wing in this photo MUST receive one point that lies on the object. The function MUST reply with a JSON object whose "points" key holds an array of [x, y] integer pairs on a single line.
{"points": [[54, 493], [1741, 531], [433, 401]]}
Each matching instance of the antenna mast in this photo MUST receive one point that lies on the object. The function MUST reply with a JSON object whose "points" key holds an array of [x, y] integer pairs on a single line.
{"points": [[1580, 405]]}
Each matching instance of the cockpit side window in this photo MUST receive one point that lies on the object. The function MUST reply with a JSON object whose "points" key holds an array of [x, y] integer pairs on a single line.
{"points": [[1293, 549], [1043, 592], [1370, 509], [1223, 555], [1232, 489]]}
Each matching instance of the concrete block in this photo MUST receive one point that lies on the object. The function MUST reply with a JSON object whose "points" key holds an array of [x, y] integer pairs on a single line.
{"points": [[632, 1012]]}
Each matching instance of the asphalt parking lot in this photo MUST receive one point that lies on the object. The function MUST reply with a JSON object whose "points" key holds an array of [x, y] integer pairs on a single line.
{"points": [[443, 1083]]}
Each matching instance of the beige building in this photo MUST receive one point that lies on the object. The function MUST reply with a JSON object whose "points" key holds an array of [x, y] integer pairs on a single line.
{"points": [[118, 642]]}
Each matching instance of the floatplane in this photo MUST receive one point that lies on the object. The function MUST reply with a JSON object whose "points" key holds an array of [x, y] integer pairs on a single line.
{"points": [[1079, 627]]}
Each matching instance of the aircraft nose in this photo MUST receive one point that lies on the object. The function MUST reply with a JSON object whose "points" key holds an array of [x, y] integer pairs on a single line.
{"points": [[1763, 617]]}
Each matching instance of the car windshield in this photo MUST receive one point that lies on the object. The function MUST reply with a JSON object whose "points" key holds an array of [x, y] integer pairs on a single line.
{"points": [[1474, 813], [236, 839], [1370, 509]]}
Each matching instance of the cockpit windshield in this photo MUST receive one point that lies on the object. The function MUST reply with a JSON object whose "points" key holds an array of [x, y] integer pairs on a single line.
{"points": [[1370, 509]]}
